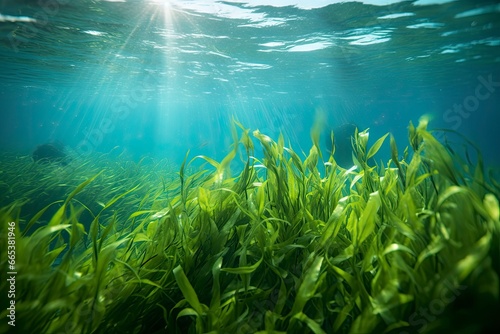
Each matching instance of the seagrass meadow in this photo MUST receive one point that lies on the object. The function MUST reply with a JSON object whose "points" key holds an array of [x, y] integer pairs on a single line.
{"points": [[286, 243]]}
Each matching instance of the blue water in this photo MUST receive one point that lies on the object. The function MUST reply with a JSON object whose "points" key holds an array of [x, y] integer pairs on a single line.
{"points": [[157, 78]]}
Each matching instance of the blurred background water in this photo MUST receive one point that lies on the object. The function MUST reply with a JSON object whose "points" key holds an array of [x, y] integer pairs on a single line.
{"points": [[160, 77]]}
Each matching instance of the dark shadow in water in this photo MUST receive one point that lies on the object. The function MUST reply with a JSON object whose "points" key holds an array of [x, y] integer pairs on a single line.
{"points": [[51, 153], [343, 135]]}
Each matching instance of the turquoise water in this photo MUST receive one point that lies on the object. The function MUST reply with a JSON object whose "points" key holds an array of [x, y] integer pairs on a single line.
{"points": [[158, 78]]}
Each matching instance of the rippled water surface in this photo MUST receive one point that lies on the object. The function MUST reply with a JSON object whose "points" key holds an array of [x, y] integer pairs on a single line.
{"points": [[161, 77]]}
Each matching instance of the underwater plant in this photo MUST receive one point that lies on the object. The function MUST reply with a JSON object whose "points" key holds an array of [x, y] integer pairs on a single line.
{"points": [[285, 245]]}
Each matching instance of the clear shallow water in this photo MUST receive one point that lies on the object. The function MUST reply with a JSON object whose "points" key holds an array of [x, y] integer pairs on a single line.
{"points": [[158, 79]]}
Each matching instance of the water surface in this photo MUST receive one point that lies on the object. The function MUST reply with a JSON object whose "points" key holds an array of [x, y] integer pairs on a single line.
{"points": [[161, 77]]}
